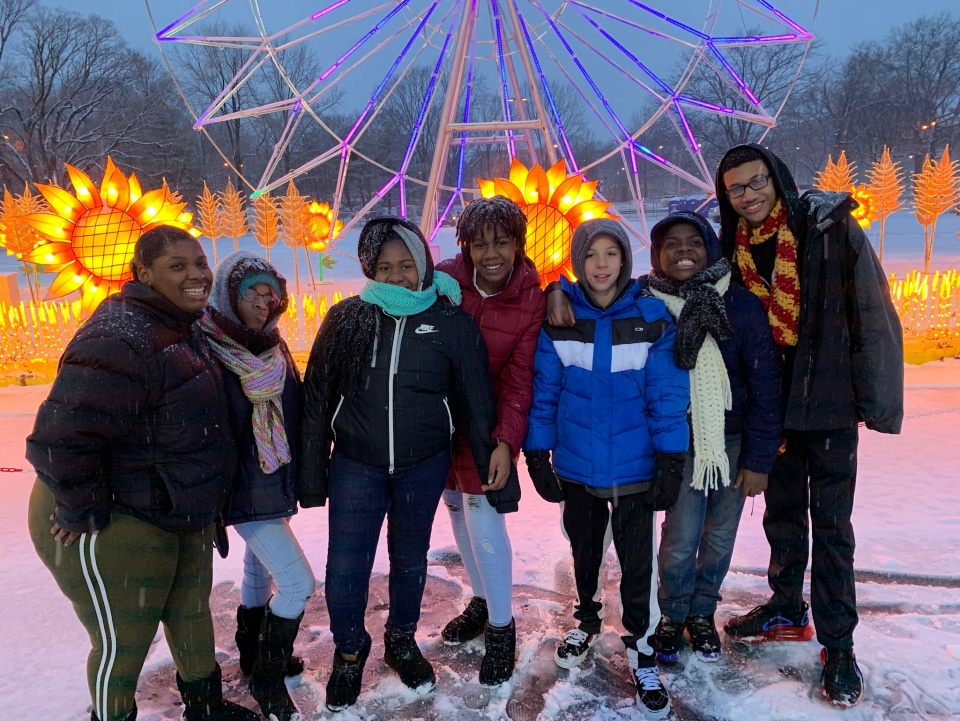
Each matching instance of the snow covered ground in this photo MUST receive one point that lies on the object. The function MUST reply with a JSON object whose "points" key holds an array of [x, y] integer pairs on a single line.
{"points": [[907, 520]]}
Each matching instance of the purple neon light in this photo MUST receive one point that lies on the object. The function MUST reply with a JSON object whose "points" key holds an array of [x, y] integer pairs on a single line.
{"points": [[427, 97], [320, 13], [670, 20], [691, 139], [162, 35], [633, 58], [704, 104], [758, 39], [806, 33], [373, 31], [389, 75], [501, 64], [557, 121], [733, 74]]}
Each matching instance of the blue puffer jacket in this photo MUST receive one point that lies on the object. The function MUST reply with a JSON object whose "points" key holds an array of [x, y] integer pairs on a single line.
{"points": [[607, 394]]}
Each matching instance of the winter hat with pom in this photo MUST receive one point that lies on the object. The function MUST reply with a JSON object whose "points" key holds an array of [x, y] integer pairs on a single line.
{"points": [[583, 238]]}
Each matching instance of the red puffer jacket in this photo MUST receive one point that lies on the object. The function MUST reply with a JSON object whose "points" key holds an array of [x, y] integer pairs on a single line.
{"points": [[510, 322]]}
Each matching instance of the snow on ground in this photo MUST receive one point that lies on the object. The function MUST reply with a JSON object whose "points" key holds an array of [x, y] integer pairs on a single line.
{"points": [[907, 520]]}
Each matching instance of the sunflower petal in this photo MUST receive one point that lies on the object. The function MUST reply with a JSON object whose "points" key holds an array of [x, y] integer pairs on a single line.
{"points": [[84, 188], [68, 280]]}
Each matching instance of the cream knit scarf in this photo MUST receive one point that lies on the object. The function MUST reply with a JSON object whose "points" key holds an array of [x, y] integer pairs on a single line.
{"points": [[710, 397]]}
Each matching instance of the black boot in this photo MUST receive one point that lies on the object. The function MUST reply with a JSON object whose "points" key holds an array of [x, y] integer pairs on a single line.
{"points": [[467, 625], [498, 662], [267, 681], [343, 688], [403, 656], [247, 637], [203, 701]]}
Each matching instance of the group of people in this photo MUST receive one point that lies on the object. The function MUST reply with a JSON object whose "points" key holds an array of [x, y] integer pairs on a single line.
{"points": [[739, 365]]}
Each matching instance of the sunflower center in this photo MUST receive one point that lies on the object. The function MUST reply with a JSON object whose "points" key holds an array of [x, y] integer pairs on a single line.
{"points": [[103, 242], [548, 239]]}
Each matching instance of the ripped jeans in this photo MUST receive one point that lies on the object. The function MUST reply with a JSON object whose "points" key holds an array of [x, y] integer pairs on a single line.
{"points": [[482, 539]]}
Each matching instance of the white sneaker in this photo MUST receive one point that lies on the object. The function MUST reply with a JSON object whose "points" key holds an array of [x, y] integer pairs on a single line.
{"points": [[574, 648]]}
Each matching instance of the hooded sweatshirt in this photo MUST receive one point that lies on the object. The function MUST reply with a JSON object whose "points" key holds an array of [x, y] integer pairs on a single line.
{"points": [[607, 394], [847, 366]]}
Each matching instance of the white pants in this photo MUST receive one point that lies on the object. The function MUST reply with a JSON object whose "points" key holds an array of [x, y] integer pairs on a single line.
{"points": [[274, 556], [482, 539]]}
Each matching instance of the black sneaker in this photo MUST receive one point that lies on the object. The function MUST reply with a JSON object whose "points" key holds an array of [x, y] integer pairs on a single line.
{"points": [[468, 625], [403, 656], [704, 637], [768, 623], [841, 682], [343, 688], [574, 648], [652, 699], [667, 640]]}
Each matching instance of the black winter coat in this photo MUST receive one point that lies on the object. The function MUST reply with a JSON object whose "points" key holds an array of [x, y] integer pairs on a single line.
{"points": [[259, 496], [428, 375], [847, 366], [136, 421]]}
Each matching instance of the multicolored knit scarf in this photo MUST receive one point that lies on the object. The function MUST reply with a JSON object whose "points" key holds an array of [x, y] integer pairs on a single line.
{"points": [[782, 298], [262, 379]]}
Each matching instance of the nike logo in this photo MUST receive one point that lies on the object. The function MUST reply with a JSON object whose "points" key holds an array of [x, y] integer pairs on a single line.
{"points": [[424, 328]]}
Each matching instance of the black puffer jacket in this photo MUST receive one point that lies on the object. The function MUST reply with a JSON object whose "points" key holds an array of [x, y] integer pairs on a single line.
{"points": [[136, 420], [847, 366]]}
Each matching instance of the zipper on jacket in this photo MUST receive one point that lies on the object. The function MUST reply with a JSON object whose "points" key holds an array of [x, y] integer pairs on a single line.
{"points": [[449, 417], [333, 420], [394, 362]]}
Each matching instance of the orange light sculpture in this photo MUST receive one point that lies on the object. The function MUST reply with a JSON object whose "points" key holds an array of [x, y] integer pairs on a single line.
{"points": [[266, 221], [836, 177], [18, 236], [209, 218], [864, 213], [555, 204], [936, 189], [233, 216], [886, 187], [92, 232], [323, 228]]}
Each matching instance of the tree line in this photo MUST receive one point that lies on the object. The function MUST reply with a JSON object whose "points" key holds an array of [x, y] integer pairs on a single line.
{"points": [[72, 90]]}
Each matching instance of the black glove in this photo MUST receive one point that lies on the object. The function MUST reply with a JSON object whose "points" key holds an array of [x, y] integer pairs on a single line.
{"points": [[545, 481], [667, 480], [221, 541]]}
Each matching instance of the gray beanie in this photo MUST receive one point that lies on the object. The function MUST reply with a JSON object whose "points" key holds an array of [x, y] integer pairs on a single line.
{"points": [[583, 238]]}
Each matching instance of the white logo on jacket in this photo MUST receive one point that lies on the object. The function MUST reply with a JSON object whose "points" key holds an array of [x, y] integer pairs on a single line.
{"points": [[424, 328]]}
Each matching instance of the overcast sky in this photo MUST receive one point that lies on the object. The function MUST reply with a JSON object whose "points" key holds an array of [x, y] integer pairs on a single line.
{"points": [[839, 23]]}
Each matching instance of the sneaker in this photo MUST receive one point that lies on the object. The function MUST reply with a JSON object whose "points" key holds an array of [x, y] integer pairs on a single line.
{"points": [[574, 648], [652, 699], [468, 625], [841, 682], [667, 640], [343, 688], [704, 637], [403, 656], [768, 623]]}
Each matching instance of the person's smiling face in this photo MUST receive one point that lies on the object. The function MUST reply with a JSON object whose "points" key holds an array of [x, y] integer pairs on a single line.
{"points": [[754, 206], [395, 265], [493, 253], [682, 252], [181, 275]]}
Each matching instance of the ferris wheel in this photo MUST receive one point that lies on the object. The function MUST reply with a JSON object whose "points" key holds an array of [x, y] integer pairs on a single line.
{"points": [[503, 78]]}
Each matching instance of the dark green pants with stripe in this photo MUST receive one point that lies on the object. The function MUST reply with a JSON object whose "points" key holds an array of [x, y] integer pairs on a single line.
{"points": [[124, 582]]}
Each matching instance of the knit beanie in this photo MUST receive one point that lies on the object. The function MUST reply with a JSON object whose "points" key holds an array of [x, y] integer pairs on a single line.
{"points": [[251, 279], [379, 230], [583, 238], [658, 232]]}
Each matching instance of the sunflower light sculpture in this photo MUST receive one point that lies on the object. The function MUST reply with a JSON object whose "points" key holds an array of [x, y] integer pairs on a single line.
{"points": [[555, 204], [90, 233]]}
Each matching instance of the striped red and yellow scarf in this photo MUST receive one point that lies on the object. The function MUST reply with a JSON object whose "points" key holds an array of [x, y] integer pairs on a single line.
{"points": [[782, 298]]}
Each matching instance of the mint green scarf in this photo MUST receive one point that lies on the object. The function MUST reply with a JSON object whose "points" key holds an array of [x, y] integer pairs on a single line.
{"points": [[399, 301]]}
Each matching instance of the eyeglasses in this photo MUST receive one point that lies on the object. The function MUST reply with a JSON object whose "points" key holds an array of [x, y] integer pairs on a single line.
{"points": [[251, 296], [758, 183]]}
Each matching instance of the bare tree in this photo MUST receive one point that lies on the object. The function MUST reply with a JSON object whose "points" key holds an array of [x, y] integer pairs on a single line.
{"points": [[61, 97]]}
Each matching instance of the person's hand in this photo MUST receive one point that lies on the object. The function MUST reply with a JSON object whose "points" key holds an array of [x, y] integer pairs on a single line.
{"points": [[667, 480], [750, 483], [544, 479], [499, 468], [559, 309], [62, 534]]}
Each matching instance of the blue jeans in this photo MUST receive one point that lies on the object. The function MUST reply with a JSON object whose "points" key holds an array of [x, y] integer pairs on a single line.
{"points": [[696, 543], [360, 497]]}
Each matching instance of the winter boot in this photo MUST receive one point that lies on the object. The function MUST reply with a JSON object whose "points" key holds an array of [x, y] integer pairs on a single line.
{"points": [[403, 656], [343, 688], [468, 625], [498, 662], [667, 640], [841, 682], [267, 684], [203, 701], [247, 637], [704, 637], [770, 623]]}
